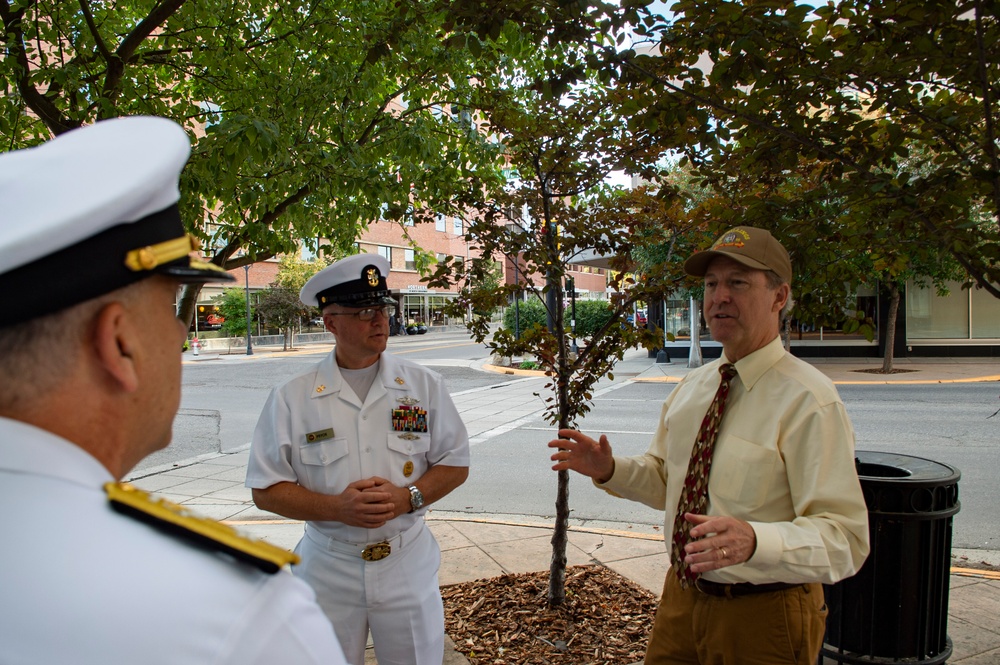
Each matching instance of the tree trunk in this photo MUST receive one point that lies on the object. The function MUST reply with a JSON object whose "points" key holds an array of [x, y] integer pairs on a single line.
{"points": [[695, 358], [556, 322], [188, 302], [560, 538], [890, 328]]}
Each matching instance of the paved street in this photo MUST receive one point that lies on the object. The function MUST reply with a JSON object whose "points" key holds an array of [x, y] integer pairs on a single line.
{"points": [[487, 540], [945, 422]]}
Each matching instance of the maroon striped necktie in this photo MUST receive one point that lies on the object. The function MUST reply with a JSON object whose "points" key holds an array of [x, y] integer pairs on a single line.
{"points": [[694, 494]]}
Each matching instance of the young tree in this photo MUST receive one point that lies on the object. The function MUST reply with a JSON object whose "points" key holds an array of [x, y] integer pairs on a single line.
{"points": [[280, 305], [293, 272], [281, 308], [557, 206], [232, 306]]}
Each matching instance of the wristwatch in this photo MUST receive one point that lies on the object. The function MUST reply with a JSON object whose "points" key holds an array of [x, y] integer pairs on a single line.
{"points": [[416, 498]]}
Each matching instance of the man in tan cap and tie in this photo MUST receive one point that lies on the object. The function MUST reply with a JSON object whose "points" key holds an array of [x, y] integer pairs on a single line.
{"points": [[753, 465]]}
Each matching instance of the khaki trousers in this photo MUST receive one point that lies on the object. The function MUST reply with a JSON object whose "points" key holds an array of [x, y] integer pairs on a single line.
{"points": [[776, 628]]}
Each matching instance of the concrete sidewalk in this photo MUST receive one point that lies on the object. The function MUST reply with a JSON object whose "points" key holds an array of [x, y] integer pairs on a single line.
{"points": [[481, 546]]}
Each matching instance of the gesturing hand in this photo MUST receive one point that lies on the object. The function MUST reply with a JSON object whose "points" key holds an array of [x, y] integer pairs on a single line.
{"points": [[578, 452]]}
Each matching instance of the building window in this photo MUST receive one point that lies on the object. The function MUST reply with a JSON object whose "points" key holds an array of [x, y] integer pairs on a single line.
{"points": [[930, 316], [985, 314], [457, 226], [411, 263], [441, 223], [385, 253]]}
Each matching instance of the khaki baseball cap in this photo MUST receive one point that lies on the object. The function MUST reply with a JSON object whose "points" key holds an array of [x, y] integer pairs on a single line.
{"points": [[753, 247]]}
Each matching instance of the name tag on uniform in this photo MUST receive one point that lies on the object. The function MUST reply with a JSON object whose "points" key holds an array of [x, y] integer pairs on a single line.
{"points": [[320, 435]]}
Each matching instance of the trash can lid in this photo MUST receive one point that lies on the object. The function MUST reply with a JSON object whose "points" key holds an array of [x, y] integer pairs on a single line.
{"points": [[899, 468]]}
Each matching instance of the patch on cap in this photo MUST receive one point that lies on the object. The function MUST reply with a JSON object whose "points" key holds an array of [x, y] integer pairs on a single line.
{"points": [[355, 281], [91, 211], [733, 238]]}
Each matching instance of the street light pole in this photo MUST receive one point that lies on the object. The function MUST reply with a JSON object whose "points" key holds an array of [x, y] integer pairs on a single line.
{"points": [[246, 270], [517, 299], [516, 229], [571, 287]]}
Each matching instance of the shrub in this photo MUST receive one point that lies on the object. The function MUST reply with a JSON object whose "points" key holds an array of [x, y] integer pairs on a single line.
{"points": [[591, 316], [531, 312]]}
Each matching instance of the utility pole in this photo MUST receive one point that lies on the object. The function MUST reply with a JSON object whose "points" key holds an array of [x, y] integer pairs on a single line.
{"points": [[246, 270]]}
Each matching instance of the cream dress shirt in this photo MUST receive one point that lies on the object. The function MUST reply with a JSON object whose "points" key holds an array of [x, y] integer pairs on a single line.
{"points": [[783, 461]]}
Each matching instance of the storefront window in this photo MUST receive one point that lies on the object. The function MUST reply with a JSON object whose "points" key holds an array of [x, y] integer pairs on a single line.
{"points": [[930, 316], [678, 317], [428, 309], [985, 315], [435, 306]]}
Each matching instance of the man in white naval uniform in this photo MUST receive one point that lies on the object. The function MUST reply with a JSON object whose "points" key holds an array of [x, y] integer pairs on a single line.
{"points": [[92, 250], [358, 446]]}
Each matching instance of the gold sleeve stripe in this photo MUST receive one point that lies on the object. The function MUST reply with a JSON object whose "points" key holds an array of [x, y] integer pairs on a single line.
{"points": [[169, 516]]}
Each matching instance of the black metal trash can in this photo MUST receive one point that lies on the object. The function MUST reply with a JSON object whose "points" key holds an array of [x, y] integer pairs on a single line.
{"points": [[896, 608]]}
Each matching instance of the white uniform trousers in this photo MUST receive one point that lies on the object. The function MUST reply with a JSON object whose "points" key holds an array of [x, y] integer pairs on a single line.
{"points": [[397, 598]]}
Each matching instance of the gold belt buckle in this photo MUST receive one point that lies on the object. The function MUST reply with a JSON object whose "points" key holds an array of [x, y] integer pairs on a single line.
{"points": [[376, 552]]}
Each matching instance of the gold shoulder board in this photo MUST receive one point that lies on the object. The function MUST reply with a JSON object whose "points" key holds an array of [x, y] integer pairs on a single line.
{"points": [[168, 516]]}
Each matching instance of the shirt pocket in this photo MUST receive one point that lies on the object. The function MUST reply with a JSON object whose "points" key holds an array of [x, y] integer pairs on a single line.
{"points": [[408, 456], [742, 473], [324, 452], [325, 464]]}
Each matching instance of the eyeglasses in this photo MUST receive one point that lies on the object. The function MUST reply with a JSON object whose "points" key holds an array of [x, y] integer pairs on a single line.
{"points": [[368, 313]]}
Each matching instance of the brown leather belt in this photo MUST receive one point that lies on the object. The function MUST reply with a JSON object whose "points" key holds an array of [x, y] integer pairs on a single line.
{"points": [[741, 589]]}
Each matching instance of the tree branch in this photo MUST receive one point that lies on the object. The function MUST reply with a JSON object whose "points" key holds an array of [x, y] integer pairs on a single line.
{"points": [[125, 51], [98, 41], [989, 142], [43, 107]]}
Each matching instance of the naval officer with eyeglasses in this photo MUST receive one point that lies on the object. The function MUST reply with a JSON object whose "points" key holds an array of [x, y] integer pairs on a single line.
{"points": [[358, 446]]}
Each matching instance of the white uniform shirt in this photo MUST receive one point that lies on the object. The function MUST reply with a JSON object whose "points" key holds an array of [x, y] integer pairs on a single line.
{"points": [[84, 584], [314, 431]]}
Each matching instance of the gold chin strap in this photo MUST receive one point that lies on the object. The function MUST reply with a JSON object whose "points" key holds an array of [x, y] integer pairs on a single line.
{"points": [[151, 256]]}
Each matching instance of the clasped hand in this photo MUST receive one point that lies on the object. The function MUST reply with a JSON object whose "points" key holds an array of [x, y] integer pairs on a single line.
{"points": [[370, 503]]}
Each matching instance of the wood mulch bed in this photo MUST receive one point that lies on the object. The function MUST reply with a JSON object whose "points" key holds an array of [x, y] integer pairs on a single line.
{"points": [[605, 620], [879, 370]]}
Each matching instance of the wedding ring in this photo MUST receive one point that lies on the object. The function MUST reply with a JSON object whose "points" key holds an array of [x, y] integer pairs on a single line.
{"points": [[724, 553]]}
